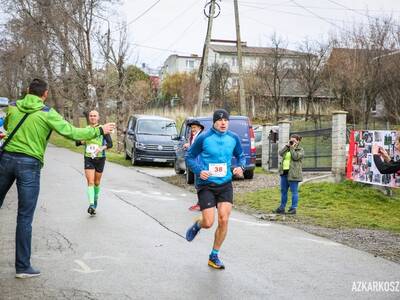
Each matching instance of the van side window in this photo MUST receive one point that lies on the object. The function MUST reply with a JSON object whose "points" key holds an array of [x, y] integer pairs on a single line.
{"points": [[187, 132], [182, 132], [133, 123], [258, 136]]}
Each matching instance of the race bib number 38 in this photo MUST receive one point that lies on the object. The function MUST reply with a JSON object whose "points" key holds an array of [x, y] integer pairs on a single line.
{"points": [[217, 170]]}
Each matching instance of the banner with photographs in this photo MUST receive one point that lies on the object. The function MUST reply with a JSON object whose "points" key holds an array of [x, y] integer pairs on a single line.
{"points": [[360, 162]]}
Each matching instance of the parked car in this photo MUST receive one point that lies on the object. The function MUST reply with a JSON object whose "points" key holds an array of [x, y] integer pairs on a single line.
{"points": [[3, 101], [149, 139], [239, 124], [258, 143], [273, 143]]}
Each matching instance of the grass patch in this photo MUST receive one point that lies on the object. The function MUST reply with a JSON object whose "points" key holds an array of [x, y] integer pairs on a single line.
{"points": [[260, 170], [343, 205], [112, 155]]}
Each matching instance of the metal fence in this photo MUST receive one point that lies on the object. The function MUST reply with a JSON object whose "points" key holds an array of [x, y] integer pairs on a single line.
{"points": [[273, 155], [317, 145]]}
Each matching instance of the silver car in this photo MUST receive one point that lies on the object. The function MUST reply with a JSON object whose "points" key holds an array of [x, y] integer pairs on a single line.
{"points": [[258, 142]]}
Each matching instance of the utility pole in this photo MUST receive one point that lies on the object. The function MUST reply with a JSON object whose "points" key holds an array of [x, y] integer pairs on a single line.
{"points": [[204, 61], [242, 92]]}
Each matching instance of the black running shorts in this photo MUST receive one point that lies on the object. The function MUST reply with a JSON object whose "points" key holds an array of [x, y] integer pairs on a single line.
{"points": [[95, 163], [211, 194]]}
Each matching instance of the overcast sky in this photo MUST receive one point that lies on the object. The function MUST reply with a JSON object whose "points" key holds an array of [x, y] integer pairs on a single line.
{"points": [[179, 26]]}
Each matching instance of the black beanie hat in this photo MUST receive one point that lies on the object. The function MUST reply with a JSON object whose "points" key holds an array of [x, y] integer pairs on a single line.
{"points": [[220, 114]]}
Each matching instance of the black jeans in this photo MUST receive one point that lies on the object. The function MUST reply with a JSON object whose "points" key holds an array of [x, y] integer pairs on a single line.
{"points": [[26, 171]]}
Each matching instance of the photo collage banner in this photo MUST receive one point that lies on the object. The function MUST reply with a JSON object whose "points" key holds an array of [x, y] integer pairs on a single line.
{"points": [[360, 161]]}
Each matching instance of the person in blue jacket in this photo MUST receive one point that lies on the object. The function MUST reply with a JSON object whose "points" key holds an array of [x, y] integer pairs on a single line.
{"points": [[1, 126], [210, 160]]}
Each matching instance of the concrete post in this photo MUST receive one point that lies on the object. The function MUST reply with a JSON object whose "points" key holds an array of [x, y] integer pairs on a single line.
{"points": [[339, 145], [284, 134], [265, 146]]}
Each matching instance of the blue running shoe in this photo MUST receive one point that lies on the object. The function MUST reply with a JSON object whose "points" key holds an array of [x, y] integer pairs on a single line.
{"points": [[193, 231], [28, 273], [215, 263]]}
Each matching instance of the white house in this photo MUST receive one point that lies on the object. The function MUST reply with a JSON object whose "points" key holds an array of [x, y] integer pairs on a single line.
{"points": [[222, 53], [180, 64]]}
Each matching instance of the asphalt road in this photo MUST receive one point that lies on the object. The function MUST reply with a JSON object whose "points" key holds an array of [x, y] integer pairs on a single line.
{"points": [[134, 248]]}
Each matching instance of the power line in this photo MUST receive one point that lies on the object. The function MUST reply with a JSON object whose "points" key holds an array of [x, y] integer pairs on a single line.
{"points": [[307, 16], [180, 36], [139, 16], [171, 21], [283, 4], [259, 22], [143, 13], [288, 12], [316, 15], [159, 49], [350, 9], [355, 11]]}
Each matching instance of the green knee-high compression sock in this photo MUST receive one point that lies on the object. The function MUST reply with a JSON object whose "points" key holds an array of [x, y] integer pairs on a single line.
{"points": [[96, 194], [90, 193]]}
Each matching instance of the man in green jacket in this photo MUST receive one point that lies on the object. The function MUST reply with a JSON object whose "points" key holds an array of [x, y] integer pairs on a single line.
{"points": [[22, 161]]}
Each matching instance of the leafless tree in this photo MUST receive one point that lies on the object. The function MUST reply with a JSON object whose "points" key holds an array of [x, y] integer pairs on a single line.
{"points": [[273, 70], [355, 73], [309, 70], [219, 84], [56, 44]]}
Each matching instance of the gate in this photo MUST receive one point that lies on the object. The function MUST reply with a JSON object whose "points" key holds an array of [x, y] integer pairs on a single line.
{"points": [[317, 145]]}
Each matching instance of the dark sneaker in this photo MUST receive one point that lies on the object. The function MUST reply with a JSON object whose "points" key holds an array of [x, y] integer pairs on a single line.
{"points": [[91, 210], [291, 211], [31, 272], [195, 207], [215, 263], [280, 211], [193, 231]]}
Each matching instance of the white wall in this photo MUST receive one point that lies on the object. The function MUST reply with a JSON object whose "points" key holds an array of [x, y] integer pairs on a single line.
{"points": [[249, 62], [178, 64]]}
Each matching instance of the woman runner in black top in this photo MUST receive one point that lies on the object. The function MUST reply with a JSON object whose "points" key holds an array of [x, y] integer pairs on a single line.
{"points": [[94, 161]]}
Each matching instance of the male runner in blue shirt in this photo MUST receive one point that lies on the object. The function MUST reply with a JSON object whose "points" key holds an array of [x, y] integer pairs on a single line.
{"points": [[210, 160]]}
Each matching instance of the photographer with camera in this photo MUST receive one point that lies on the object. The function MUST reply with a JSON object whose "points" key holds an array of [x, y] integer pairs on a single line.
{"points": [[388, 165], [290, 170]]}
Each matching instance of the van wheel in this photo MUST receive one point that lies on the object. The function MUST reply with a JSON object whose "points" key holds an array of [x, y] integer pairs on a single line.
{"points": [[178, 171], [127, 157], [133, 159], [248, 174], [189, 177]]}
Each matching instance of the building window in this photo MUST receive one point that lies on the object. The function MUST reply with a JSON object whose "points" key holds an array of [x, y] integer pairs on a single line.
{"points": [[234, 61], [189, 64]]}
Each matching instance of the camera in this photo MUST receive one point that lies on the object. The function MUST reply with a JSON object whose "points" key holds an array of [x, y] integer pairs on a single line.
{"points": [[291, 143]]}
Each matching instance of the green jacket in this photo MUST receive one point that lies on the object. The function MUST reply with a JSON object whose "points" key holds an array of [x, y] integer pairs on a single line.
{"points": [[296, 163], [31, 138]]}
